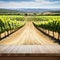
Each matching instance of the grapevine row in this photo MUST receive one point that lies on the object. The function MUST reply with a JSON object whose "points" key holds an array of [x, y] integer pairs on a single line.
{"points": [[10, 24], [52, 24]]}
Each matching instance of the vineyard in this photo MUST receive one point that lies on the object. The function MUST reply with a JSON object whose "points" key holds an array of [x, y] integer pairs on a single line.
{"points": [[49, 23], [9, 24]]}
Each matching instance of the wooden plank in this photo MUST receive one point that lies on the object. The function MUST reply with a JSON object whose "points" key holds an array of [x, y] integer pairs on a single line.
{"points": [[30, 49]]}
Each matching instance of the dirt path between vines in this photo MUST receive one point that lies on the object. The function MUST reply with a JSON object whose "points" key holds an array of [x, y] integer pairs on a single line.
{"points": [[27, 35]]}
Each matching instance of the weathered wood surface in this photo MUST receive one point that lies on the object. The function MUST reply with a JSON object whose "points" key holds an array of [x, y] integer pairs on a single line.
{"points": [[27, 49]]}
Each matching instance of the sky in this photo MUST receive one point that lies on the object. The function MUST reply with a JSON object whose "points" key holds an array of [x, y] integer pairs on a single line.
{"points": [[30, 4]]}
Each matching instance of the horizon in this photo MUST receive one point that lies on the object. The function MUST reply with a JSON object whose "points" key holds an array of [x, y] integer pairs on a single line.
{"points": [[37, 4]]}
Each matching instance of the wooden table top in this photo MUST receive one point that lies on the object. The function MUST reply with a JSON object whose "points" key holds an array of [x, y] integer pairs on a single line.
{"points": [[30, 50]]}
